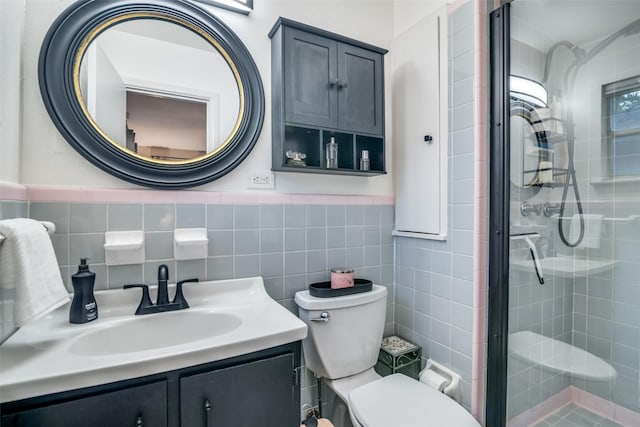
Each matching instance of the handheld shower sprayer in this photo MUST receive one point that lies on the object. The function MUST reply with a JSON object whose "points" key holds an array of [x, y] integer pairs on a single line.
{"points": [[571, 74]]}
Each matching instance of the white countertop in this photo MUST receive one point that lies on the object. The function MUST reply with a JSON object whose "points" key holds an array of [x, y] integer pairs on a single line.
{"points": [[51, 355]]}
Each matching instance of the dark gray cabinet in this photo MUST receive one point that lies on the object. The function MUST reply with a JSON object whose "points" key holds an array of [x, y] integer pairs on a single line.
{"points": [[138, 406], [256, 393], [261, 388], [324, 85]]}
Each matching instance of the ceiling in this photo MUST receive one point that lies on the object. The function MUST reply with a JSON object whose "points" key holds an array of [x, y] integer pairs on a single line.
{"points": [[540, 23]]}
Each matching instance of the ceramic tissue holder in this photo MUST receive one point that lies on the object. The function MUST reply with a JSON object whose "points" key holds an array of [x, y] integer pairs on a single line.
{"points": [[124, 247], [190, 243]]}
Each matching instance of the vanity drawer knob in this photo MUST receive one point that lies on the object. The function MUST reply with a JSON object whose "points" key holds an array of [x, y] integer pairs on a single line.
{"points": [[207, 411], [139, 422]]}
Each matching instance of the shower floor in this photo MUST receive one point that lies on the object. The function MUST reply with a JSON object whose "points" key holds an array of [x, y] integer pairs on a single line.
{"points": [[573, 415]]}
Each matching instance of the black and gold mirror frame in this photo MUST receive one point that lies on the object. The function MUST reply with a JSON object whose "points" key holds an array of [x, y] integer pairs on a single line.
{"points": [[59, 60]]}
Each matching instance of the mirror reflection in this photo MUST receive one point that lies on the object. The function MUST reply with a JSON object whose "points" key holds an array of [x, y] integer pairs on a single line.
{"points": [[160, 90]]}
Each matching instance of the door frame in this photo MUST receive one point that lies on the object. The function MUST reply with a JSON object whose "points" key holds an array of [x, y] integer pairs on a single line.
{"points": [[499, 187]]}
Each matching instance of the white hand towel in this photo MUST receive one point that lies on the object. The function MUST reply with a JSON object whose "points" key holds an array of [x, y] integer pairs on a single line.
{"points": [[592, 230], [28, 264]]}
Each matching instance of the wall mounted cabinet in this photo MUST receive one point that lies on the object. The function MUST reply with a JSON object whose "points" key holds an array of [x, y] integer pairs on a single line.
{"points": [[324, 85]]}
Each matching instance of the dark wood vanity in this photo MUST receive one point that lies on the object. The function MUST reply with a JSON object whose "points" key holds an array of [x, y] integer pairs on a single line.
{"points": [[260, 388]]}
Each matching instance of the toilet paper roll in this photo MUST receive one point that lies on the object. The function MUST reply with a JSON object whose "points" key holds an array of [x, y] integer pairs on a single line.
{"points": [[433, 379]]}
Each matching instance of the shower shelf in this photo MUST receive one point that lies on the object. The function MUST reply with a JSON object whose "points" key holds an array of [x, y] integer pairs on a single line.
{"points": [[557, 172], [565, 266], [552, 130], [559, 356]]}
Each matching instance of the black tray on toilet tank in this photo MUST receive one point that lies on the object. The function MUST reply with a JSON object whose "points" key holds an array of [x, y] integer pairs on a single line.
{"points": [[323, 289]]}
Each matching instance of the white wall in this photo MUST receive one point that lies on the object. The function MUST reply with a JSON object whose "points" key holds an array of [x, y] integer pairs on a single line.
{"points": [[11, 29], [406, 13], [47, 155]]}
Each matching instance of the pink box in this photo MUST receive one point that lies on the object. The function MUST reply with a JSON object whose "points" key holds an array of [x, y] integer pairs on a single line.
{"points": [[341, 278]]}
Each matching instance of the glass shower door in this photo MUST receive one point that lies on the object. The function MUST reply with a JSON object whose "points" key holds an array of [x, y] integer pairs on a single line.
{"points": [[564, 293]]}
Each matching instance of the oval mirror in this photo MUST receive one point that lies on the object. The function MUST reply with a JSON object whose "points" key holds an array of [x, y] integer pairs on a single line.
{"points": [[160, 94]]}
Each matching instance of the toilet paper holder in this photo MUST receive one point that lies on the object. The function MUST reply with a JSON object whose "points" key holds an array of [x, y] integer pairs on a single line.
{"points": [[441, 378]]}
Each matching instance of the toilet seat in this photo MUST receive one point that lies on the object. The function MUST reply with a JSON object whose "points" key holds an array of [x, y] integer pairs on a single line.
{"points": [[398, 400]]}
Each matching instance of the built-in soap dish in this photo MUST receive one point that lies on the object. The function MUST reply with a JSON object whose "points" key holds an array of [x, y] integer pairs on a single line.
{"points": [[190, 243], [124, 247]]}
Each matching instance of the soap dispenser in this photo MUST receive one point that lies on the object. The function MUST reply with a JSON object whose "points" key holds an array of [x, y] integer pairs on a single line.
{"points": [[83, 307]]}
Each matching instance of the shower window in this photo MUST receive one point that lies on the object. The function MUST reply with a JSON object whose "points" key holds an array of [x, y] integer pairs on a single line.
{"points": [[621, 102]]}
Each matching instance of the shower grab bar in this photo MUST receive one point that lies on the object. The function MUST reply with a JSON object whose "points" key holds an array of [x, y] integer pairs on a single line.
{"points": [[48, 225]]}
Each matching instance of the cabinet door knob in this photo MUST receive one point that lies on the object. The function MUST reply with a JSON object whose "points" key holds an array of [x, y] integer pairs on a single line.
{"points": [[334, 82], [343, 84], [428, 138], [207, 411], [139, 422]]}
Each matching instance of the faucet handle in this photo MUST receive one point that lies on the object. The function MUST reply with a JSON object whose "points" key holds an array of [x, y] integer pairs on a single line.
{"points": [[145, 302], [179, 297]]}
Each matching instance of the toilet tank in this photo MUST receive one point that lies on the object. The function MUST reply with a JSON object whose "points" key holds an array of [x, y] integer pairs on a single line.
{"points": [[349, 341]]}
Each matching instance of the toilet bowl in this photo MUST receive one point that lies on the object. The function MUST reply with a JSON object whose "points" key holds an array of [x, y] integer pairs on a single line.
{"points": [[342, 347]]}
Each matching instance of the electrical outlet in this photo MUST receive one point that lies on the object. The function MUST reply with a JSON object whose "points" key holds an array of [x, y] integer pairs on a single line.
{"points": [[261, 179]]}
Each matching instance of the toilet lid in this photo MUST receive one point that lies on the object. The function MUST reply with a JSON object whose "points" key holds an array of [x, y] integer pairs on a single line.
{"points": [[398, 400]]}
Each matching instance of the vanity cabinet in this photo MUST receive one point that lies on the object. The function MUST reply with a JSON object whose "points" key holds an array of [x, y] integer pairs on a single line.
{"points": [[143, 405], [256, 393], [324, 85], [261, 388]]}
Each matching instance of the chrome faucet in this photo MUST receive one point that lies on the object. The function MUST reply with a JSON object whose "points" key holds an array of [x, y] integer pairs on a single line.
{"points": [[162, 304]]}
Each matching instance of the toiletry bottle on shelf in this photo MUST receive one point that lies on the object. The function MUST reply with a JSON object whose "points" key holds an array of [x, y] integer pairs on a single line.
{"points": [[556, 106], [83, 307], [332, 153], [364, 161]]}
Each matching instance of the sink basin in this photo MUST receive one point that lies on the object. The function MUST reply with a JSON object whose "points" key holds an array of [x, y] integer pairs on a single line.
{"points": [[154, 332], [225, 319]]}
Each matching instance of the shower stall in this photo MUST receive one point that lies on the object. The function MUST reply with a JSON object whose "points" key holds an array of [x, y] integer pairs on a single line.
{"points": [[564, 274]]}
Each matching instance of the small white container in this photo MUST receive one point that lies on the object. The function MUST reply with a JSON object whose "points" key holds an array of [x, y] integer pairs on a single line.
{"points": [[124, 247], [190, 243]]}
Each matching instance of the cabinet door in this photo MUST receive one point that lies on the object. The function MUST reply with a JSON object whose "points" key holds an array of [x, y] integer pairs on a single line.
{"points": [[420, 107], [309, 77], [360, 94], [259, 393], [143, 406]]}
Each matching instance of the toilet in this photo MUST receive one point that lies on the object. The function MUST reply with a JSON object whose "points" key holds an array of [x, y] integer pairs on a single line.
{"points": [[342, 347]]}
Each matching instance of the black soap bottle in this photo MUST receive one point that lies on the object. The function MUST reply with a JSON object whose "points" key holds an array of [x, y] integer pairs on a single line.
{"points": [[83, 307]]}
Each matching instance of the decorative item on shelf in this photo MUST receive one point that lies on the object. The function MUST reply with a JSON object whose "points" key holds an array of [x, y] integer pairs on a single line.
{"points": [[332, 153], [341, 278], [295, 158], [398, 356], [364, 161]]}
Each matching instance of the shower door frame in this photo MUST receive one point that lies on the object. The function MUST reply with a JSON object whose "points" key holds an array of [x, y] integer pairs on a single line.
{"points": [[499, 201]]}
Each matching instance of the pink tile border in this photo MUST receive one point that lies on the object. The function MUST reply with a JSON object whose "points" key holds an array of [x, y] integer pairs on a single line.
{"points": [[480, 211], [542, 409], [12, 191], [571, 394], [606, 408], [43, 193]]}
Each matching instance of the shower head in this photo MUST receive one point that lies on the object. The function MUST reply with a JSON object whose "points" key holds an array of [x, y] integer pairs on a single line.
{"points": [[633, 28]]}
